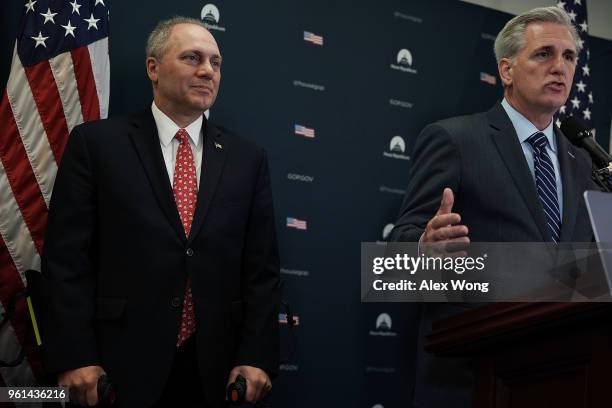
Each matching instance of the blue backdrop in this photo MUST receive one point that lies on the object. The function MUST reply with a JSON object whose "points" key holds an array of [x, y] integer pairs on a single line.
{"points": [[365, 100]]}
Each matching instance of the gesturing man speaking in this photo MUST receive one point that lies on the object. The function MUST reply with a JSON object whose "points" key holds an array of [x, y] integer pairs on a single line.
{"points": [[506, 175], [161, 264], [509, 174]]}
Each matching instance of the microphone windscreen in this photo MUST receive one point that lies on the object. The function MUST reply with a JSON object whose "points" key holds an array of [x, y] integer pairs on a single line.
{"points": [[572, 128]]}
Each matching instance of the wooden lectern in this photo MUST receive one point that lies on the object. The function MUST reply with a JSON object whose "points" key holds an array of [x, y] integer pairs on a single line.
{"points": [[527, 355]]}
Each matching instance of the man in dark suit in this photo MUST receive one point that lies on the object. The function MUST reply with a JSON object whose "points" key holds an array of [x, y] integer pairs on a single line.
{"points": [[161, 263], [506, 175], [482, 165]]}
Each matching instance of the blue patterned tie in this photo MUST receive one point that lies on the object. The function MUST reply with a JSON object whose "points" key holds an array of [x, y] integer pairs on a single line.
{"points": [[545, 181]]}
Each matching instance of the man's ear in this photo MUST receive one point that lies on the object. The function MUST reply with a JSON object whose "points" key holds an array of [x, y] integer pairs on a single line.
{"points": [[152, 67], [505, 68]]}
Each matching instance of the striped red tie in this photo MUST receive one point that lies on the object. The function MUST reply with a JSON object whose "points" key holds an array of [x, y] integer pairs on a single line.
{"points": [[185, 186]]}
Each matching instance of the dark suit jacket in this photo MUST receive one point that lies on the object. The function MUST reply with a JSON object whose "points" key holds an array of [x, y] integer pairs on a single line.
{"points": [[116, 260], [480, 159]]}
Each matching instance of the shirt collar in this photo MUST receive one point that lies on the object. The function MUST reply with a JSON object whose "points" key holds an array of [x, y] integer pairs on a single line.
{"points": [[166, 128], [524, 128]]}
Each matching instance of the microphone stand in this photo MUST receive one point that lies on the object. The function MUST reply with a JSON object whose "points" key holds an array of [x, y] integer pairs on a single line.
{"points": [[603, 178]]}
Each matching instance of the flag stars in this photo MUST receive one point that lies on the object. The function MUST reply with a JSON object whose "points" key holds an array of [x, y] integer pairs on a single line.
{"points": [[562, 109], [581, 86], [40, 40], [586, 114], [30, 6], [577, 2], [581, 42], [586, 71], [561, 5], [100, 2], [572, 15], [69, 29], [584, 26], [591, 97], [575, 103], [75, 7], [558, 123], [48, 16], [93, 22]]}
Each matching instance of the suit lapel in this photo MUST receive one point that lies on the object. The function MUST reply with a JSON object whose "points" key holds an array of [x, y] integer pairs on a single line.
{"points": [[567, 163], [213, 159], [505, 139], [146, 142]]}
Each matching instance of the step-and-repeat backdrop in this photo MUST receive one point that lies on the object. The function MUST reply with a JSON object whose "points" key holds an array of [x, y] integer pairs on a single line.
{"points": [[336, 92]]}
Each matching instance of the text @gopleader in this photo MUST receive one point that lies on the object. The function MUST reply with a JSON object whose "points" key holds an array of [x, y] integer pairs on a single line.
{"points": [[422, 264]]}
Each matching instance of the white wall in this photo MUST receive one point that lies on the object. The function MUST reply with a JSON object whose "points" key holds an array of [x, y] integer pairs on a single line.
{"points": [[599, 12]]}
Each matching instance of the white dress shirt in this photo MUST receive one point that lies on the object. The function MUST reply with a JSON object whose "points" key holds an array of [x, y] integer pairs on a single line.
{"points": [[524, 128], [166, 129]]}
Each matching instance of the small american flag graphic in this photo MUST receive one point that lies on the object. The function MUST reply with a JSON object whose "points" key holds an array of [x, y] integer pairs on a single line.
{"points": [[282, 319], [488, 78], [296, 223], [304, 131], [313, 38]]}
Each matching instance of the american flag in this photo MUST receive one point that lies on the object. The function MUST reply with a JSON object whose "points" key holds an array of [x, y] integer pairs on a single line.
{"points": [[488, 78], [580, 101], [304, 131], [313, 38], [59, 77], [295, 223], [282, 319]]}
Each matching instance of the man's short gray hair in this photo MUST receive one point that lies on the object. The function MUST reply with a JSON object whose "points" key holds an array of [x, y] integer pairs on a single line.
{"points": [[511, 39], [157, 44]]}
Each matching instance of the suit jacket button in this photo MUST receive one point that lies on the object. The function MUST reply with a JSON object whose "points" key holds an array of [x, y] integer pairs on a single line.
{"points": [[176, 302], [189, 252]]}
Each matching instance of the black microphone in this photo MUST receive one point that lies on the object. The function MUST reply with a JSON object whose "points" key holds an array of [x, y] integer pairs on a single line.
{"points": [[579, 134]]}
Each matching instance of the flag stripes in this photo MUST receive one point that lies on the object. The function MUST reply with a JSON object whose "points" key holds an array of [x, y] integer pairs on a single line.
{"points": [[52, 87]]}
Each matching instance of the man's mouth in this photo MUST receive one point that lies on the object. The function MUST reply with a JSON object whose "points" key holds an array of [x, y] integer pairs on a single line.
{"points": [[202, 88], [556, 86]]}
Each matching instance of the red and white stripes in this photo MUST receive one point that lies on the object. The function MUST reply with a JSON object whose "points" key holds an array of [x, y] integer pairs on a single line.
{"points": [[40, 106]]}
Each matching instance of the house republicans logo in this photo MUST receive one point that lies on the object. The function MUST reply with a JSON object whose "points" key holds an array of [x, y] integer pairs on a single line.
{"points": [[383, 321], [210, 17], [386, 231], [383, 326], [404, 62], [404, 57], [397, 147]]}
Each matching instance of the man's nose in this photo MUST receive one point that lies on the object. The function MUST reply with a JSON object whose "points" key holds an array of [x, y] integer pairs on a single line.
{"points": [[206, 69], [560, 65]]}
